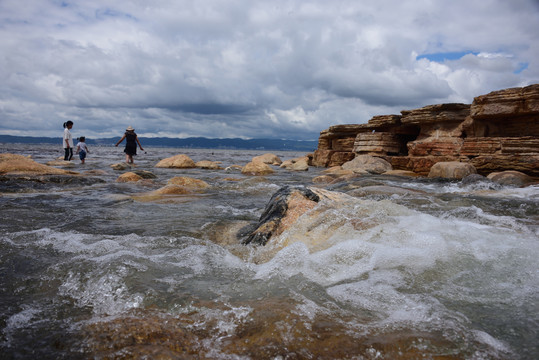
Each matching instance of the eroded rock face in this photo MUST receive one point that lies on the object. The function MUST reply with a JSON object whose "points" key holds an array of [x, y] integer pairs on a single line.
{"points": [[498, 131]]}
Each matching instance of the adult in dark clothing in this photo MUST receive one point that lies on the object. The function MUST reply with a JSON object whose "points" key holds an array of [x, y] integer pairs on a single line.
{"points": [[131, 141]]}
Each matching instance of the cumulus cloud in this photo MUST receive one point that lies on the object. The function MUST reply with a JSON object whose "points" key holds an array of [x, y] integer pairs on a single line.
{"points": [[276, 69]]}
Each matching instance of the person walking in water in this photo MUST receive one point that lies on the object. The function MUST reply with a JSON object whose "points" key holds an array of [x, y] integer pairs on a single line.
{"points": [[131, 141], [82, 149], [68, 141]]}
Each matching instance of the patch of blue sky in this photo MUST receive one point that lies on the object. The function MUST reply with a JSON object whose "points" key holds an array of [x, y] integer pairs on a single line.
{"points": [[441, 57], [521, 67], [102, 13]]}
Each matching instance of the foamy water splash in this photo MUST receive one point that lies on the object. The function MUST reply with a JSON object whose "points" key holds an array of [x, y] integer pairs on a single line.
{"points": [[451, 266]]}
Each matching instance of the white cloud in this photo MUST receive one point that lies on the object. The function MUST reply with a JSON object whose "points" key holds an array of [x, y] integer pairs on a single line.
{"points": [[250, 69]]}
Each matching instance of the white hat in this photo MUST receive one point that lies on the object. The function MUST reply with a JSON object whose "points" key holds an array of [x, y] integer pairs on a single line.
{"points": [[129, 128]]}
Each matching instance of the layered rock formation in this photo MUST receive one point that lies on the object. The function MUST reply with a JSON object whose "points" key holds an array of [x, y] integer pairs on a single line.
{"points": [[498, 131]]}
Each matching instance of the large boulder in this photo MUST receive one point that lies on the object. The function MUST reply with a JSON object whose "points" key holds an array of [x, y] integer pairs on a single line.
{"points": [[372, 164], [451, 170], [284, 208], [257, 168], [312, 216], [270, 159], [180, 161]]}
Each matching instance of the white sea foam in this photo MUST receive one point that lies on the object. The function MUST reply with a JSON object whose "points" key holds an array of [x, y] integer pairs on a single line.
{"points": [[106, 293], [234, 211], [398, 269], [26, 318]]}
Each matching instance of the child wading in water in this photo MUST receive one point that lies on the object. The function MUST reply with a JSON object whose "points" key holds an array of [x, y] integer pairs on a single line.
{"points": [[130, 144], [82, 149], [68, 141]]}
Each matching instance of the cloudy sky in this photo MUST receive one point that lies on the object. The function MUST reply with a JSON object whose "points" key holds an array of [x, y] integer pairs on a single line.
{"points": [[248, 68]]}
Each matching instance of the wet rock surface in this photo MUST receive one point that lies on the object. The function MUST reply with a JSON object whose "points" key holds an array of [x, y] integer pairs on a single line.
{"points": [[275, 213]]}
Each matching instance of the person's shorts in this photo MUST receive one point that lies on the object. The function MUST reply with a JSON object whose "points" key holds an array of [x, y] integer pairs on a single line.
{"points": [[82, 154]]}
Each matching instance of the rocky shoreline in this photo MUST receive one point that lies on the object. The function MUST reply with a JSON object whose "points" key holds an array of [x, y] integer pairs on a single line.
{"points": [[499, 131]]}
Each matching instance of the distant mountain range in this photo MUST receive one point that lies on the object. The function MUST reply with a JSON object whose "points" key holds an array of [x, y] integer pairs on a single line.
{"points": [[193, 142]]}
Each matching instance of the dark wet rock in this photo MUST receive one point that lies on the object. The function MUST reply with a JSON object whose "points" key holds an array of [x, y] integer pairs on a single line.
{"points": [[145, 174], [473, 178], [21, 183], [479, 182], [271, 220], [511, 178]]}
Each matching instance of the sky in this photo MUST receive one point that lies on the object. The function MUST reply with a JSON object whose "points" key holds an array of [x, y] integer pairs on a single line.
{"points": [[248, 68]]}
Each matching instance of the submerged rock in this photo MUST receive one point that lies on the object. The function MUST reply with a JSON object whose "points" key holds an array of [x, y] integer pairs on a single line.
{"points": [[512, 178], [121, 166], [62, 163], [208, 165], [145, 174], [17, 164]]}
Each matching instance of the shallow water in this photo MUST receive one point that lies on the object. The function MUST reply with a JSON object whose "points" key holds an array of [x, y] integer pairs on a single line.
{"points": [[403, 269]]}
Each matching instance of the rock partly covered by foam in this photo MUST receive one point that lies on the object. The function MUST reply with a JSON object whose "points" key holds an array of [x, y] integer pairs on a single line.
{"points": [[314, 216], [284, 208]]}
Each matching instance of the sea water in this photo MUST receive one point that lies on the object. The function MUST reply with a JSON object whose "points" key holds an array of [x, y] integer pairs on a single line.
{"points": [[400, 268]]}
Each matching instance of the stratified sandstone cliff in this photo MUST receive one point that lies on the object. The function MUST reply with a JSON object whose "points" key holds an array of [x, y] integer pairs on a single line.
{"points": [[498, 131]]}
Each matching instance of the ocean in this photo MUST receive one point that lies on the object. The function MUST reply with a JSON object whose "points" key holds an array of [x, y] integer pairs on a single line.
{"points": [[404, 269]]}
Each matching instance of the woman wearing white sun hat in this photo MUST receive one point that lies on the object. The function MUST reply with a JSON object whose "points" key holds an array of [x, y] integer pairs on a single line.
{"points": [[130, 144]]}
